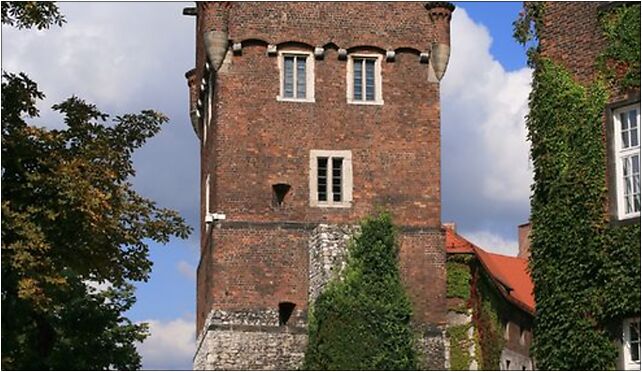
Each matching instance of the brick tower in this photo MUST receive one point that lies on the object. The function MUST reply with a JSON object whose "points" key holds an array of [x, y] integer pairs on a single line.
{"points": [[310, 116]]}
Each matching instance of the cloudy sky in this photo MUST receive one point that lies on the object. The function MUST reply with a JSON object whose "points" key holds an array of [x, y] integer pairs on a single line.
{"points": [[126, 57]]}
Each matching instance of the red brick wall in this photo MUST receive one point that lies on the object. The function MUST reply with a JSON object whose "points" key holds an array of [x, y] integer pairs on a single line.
{"points": [[256, 141]]}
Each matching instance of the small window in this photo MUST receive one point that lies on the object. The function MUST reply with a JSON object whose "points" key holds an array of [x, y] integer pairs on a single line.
{"points": [[330, 178], [297, 76], [626, 123], [207, 195], [507, 364], [279, 191], [364, 79], [631, 344], [207, 109], [285, 312]]}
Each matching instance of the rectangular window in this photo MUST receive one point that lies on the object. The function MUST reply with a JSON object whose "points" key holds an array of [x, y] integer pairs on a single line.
{"points": [[364, 79], [330, 178], [634, 341], [297, 81], [626, 123]]}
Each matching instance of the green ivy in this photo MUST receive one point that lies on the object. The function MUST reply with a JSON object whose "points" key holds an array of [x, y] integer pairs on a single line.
{"points": [[489, 328], [620, 61], [458, 283], [363, 321], [586, 272], [459, 347]]}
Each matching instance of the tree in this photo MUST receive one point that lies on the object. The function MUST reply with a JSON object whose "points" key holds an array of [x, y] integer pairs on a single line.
{"points": [[363, 321], [72, 221]]}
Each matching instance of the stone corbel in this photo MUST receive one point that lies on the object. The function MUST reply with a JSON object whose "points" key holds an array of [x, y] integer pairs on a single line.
{"points": [[271, 50], [439, 56], [237, 48], [318, 53], [343, 54], [390, 55], [424, 57], [216, 44]]}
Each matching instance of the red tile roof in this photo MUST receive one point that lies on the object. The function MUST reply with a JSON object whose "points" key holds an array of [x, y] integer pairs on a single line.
{"points": [[510, 272]]}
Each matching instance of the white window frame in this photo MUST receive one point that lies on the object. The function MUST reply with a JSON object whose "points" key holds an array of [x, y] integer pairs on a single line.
{"points": [[309, 75], [346, 178], [620, 154], [377, 83], [626, 344]]}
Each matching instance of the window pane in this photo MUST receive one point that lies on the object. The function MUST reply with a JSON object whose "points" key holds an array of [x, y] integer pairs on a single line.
{"points": [[636, 202], [288, 77], [337, 165], [633, 119], [635, 164], [322, 179], [358, 79], [300, 77], [624, 119], [634, 341], [625, 166], [634, 137], [370, 80]]}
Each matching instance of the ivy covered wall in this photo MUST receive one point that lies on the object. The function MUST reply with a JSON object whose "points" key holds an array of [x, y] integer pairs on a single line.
{"points": [[585, 268]]}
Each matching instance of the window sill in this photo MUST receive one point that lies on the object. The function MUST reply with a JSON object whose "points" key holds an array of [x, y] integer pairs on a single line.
{"points": [[324, 205], [623, 221], [296, 100], [366, 103]]}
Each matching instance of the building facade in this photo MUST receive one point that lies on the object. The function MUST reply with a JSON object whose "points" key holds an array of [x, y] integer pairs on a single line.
{"points": [[496, 309], [311, 116], [572, 35]]}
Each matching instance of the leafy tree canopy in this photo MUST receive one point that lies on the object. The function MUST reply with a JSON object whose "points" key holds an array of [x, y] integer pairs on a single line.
{"points": [[72, 221]]}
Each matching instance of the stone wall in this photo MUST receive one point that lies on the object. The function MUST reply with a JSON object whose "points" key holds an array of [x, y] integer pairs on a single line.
{"points": [[328, 247], [251, 340]]}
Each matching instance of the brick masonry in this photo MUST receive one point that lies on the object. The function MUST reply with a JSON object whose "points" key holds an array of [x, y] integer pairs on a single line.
{"points": [[260, 255]]}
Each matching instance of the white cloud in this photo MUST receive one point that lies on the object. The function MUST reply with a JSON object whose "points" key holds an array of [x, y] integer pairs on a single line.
{"points": [[187, 270], [493, 243], [486, 167], [171, 345]]}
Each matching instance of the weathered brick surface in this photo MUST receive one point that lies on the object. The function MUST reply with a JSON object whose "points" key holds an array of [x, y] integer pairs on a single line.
{"points": [[259, 256]]}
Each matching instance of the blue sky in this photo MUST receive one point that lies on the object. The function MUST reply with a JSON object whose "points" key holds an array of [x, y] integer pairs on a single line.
{"points": [[126, 57]]}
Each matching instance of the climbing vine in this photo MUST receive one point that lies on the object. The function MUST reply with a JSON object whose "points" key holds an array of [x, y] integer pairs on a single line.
{"points": [[586, 272], [620, 61], [458, 282], [487, 307], [459, 347]]}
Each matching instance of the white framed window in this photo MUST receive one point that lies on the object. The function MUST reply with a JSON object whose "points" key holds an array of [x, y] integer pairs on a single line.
{"points": [[330, 178], [364, 79], [296, 70], [626, 121], [631, 343]]}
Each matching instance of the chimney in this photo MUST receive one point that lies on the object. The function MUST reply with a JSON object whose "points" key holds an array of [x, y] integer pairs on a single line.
{"points": [[450, 226], [524, 236]]}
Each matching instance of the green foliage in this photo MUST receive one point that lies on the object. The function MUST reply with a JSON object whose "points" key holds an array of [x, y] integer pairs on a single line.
{"points": [[526, 26], [28, 14], [363, 321], [489, 328], [70, 218], [458, 283], [459, 347], [620, 61], [586, 273]]}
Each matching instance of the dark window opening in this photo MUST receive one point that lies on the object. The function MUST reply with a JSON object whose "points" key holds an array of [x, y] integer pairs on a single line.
{"points": [[322, 179], [285, 312], [523, 368], [279, 191], [507, 364], [337, 168]]}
